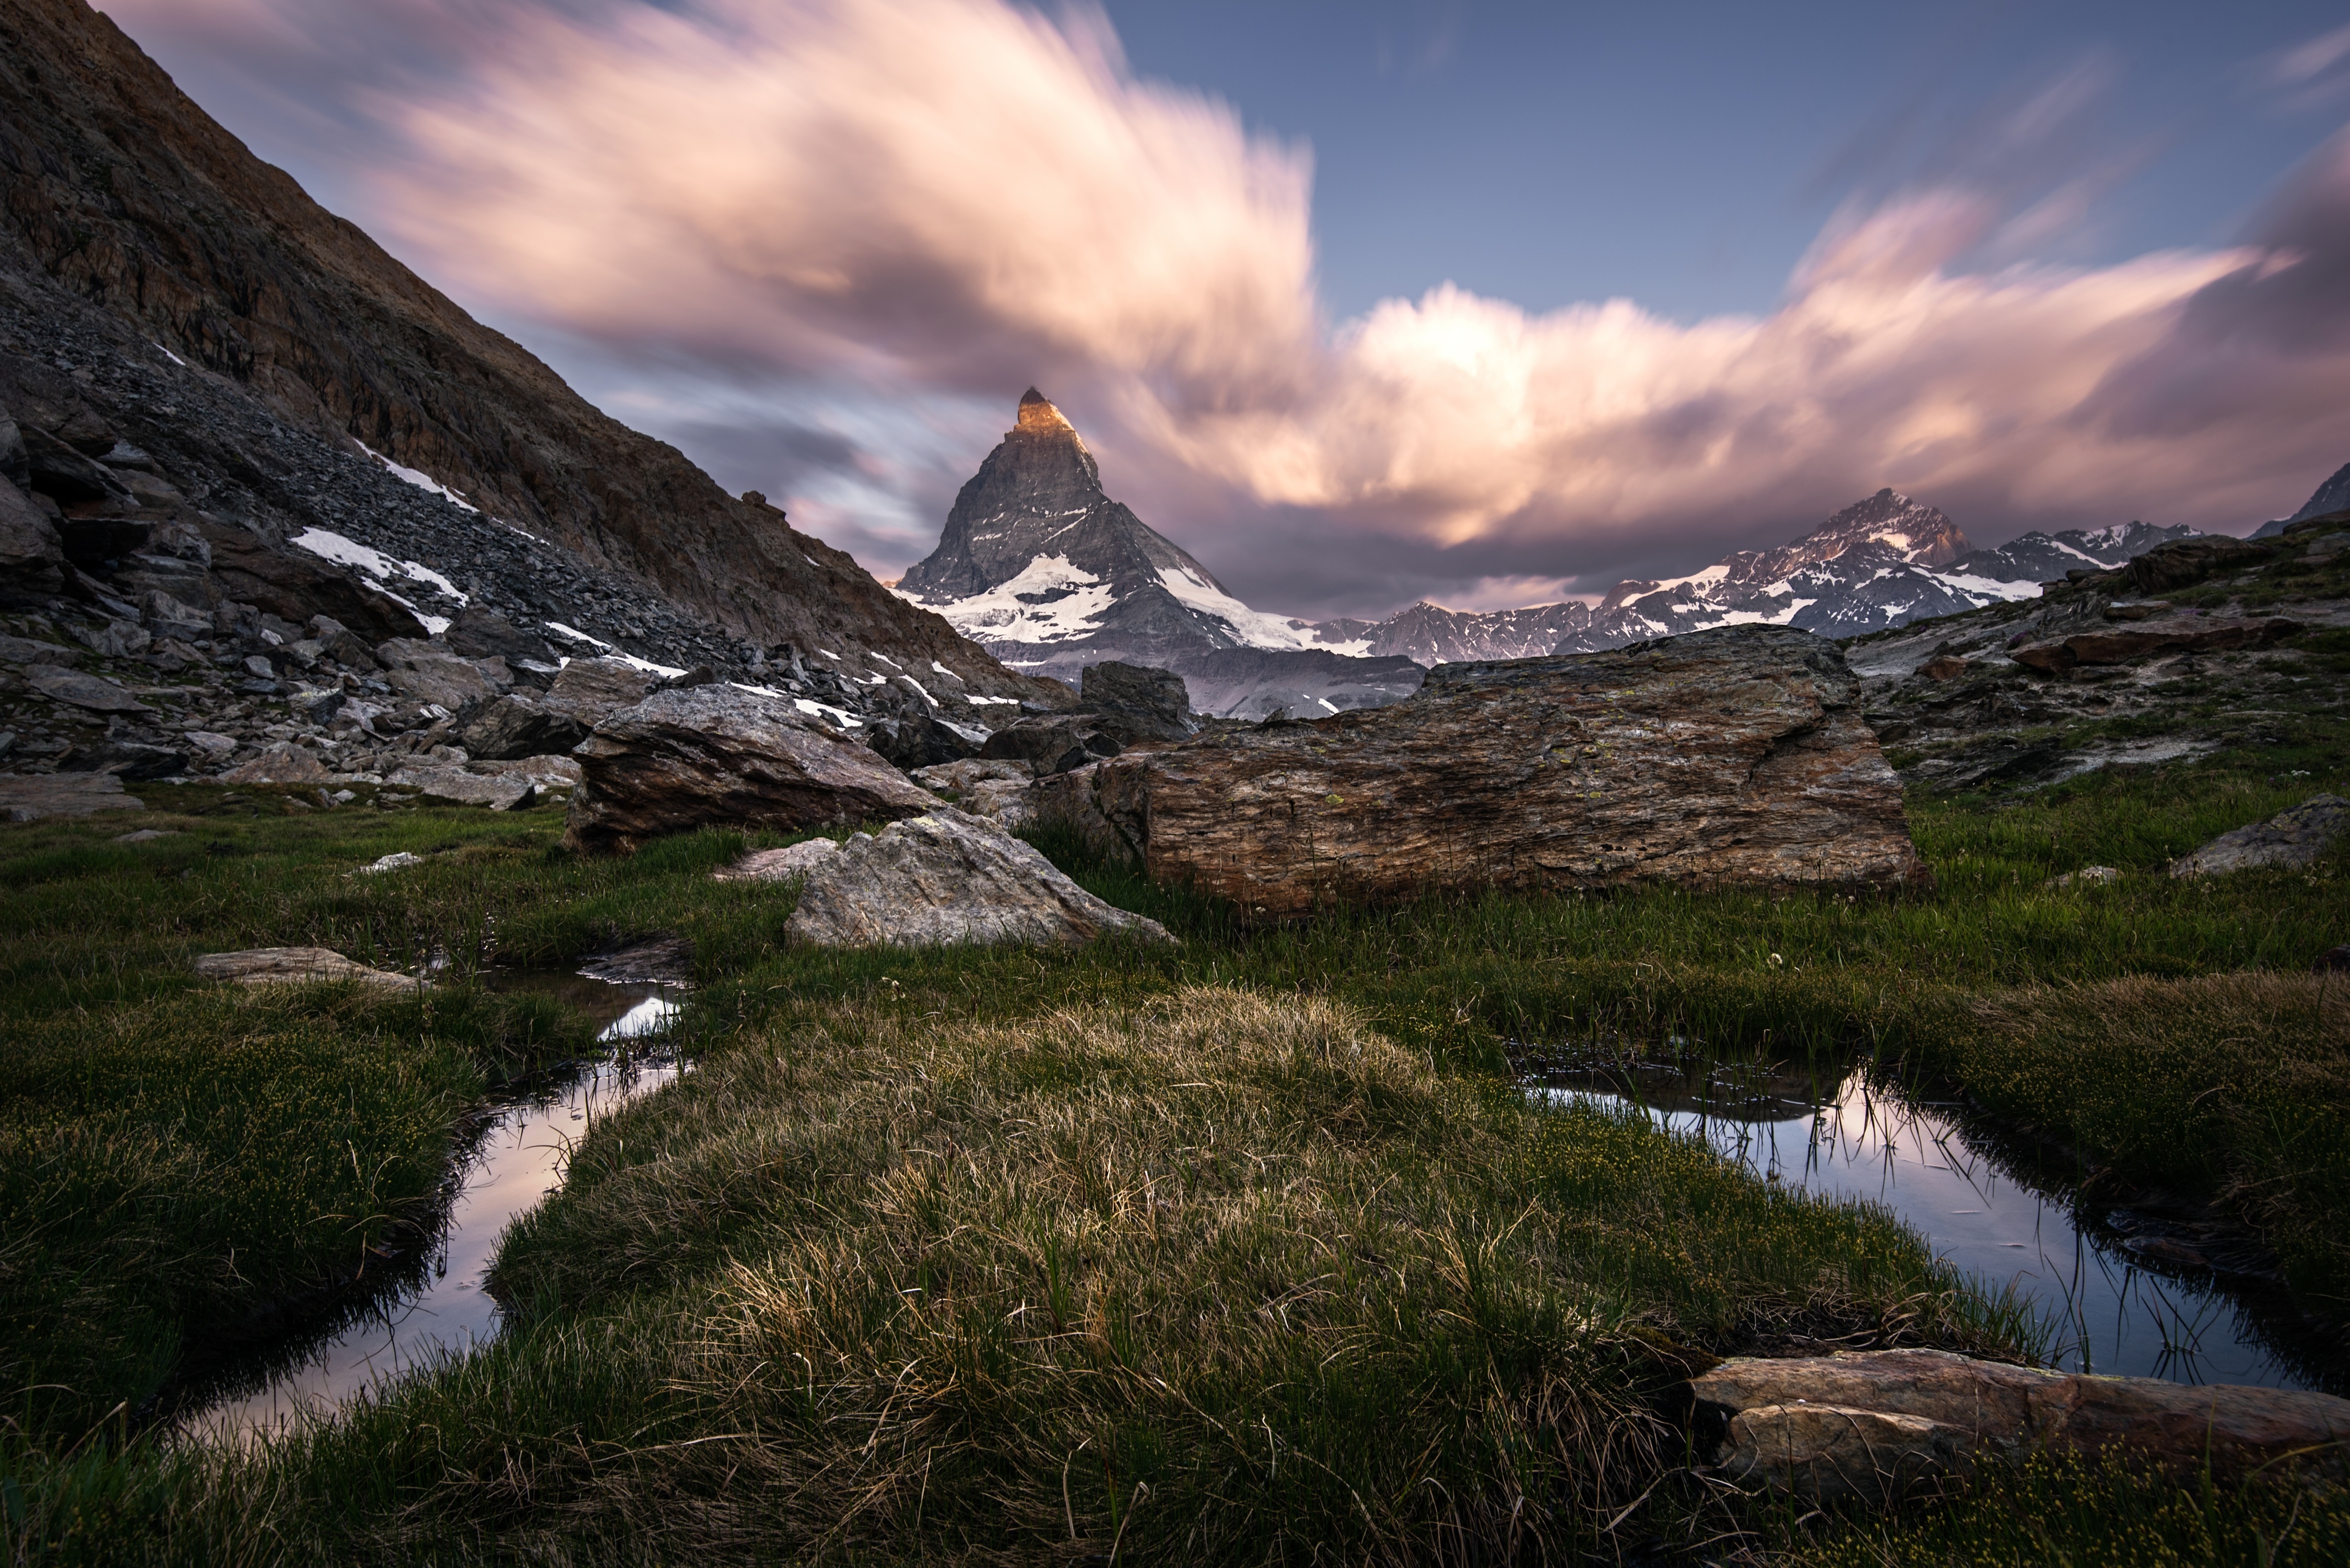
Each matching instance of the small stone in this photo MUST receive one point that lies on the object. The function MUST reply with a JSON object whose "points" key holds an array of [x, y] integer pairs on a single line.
{"points": [[283, 765], [2084, 874], [392, 862], [145, 834]]}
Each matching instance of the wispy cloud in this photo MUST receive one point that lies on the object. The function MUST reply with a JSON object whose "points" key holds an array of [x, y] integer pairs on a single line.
{"points": [[932, 199]]}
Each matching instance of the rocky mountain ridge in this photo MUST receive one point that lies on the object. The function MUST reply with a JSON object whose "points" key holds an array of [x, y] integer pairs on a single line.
{"points": [[1042, 568], [121, 195], [1885, 561]]}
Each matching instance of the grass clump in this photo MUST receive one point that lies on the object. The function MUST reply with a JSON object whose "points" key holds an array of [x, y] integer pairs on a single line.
{"points": [[1224, 1275], [164, 1169], [2233, 1086]]}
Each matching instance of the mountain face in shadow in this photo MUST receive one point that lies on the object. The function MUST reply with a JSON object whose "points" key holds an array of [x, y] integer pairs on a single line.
{"points": [[123, 195]]}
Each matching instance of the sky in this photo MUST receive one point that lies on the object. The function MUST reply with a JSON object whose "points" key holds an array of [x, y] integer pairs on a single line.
{"points": [[1369, 302]]}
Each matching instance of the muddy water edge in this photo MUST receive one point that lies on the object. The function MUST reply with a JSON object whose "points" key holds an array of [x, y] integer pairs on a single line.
{"points": [[422, 1298], [2138, 1290]]}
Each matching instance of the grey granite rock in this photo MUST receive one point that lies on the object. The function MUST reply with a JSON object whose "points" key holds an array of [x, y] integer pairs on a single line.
{"points": [[2291, 839], [946, 879]]}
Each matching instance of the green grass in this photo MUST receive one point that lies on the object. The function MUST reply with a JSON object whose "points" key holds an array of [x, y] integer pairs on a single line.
{"points": [[2067, 1511], [915, 1238]]}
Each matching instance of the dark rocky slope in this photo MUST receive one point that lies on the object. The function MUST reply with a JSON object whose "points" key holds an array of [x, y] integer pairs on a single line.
{"points": [[125, 195]]}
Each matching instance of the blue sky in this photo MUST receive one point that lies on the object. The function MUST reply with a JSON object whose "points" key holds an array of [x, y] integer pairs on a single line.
{"points": [[1325, 285]]}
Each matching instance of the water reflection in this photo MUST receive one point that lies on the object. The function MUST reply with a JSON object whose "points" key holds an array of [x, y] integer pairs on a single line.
{"points": [[1989, 1210], [431, 1306]]}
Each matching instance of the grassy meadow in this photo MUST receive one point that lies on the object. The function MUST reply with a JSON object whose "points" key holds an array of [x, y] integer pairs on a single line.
{"points": [[1244, 1249]]}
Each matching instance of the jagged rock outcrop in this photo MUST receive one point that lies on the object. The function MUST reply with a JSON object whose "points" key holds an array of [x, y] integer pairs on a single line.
{"points": [[1720, 758], [133, 199], [792, 863], [945, 877], [717, 756], [1875, 1425]]}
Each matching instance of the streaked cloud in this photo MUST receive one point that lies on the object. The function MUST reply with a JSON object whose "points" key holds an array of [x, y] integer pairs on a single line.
{"points": [[937, 200]]}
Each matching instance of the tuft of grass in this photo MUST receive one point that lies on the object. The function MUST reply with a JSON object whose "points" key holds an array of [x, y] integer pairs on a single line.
{"points": [[1219, 1276], [2235, 1086]]}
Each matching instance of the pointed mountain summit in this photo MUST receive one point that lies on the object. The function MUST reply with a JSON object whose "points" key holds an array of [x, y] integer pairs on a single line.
{"points": [[1038, 564]]}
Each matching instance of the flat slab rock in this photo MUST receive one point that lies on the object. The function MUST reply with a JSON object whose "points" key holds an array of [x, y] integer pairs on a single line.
{"points": [[295, 966], [708, 757], [947, 879], [2129, 642], [80, 690], [789, 864], [1724, 757], [29, 797], [499, 785], [2290, 840], [1875, 1425]]}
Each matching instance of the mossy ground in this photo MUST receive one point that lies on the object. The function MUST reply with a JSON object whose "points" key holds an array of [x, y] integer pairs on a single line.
{"points": [[1232, 1250]]}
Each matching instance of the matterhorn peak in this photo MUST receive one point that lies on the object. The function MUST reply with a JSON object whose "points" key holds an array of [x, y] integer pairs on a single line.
{"points": [[1039, 417]]}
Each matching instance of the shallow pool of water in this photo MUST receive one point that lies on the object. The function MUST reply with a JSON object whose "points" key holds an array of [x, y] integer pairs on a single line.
{"points": [[1991, 1220], [435, 1306]]}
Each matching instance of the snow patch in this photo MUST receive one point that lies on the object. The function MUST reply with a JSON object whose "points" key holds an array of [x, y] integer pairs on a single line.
{"points": [[1070, 604], [416, 477], [344, 552], [1254, 627]]}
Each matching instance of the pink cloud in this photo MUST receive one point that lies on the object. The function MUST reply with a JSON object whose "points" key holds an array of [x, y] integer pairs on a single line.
{"points": [[959, 196]]}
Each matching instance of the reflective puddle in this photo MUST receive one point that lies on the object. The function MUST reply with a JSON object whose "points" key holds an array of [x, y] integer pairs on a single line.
{"points": [[1990, 1212], [434, 1306]]}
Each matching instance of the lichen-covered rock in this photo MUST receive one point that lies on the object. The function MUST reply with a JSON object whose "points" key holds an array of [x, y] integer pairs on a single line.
{"points": [[1726, 757], [593, 690], [948, 878], [2291, 839], [1871, 1424], [719, 756]]}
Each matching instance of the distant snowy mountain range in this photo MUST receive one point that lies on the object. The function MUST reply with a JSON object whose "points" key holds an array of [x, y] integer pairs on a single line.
{"points": [[1043, 570]]}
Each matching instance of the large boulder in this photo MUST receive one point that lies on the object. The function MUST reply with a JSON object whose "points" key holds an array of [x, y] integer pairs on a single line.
{"points": [[1730, 757], [947, 878], [717, 755], [518, 726], [2290, 840], [1875, 1424], [478, 633], [1138, 703]]}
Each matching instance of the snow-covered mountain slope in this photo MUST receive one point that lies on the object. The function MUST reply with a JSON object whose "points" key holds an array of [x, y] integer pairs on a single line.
{"points": [[1882, 562], [1041, 568]]}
